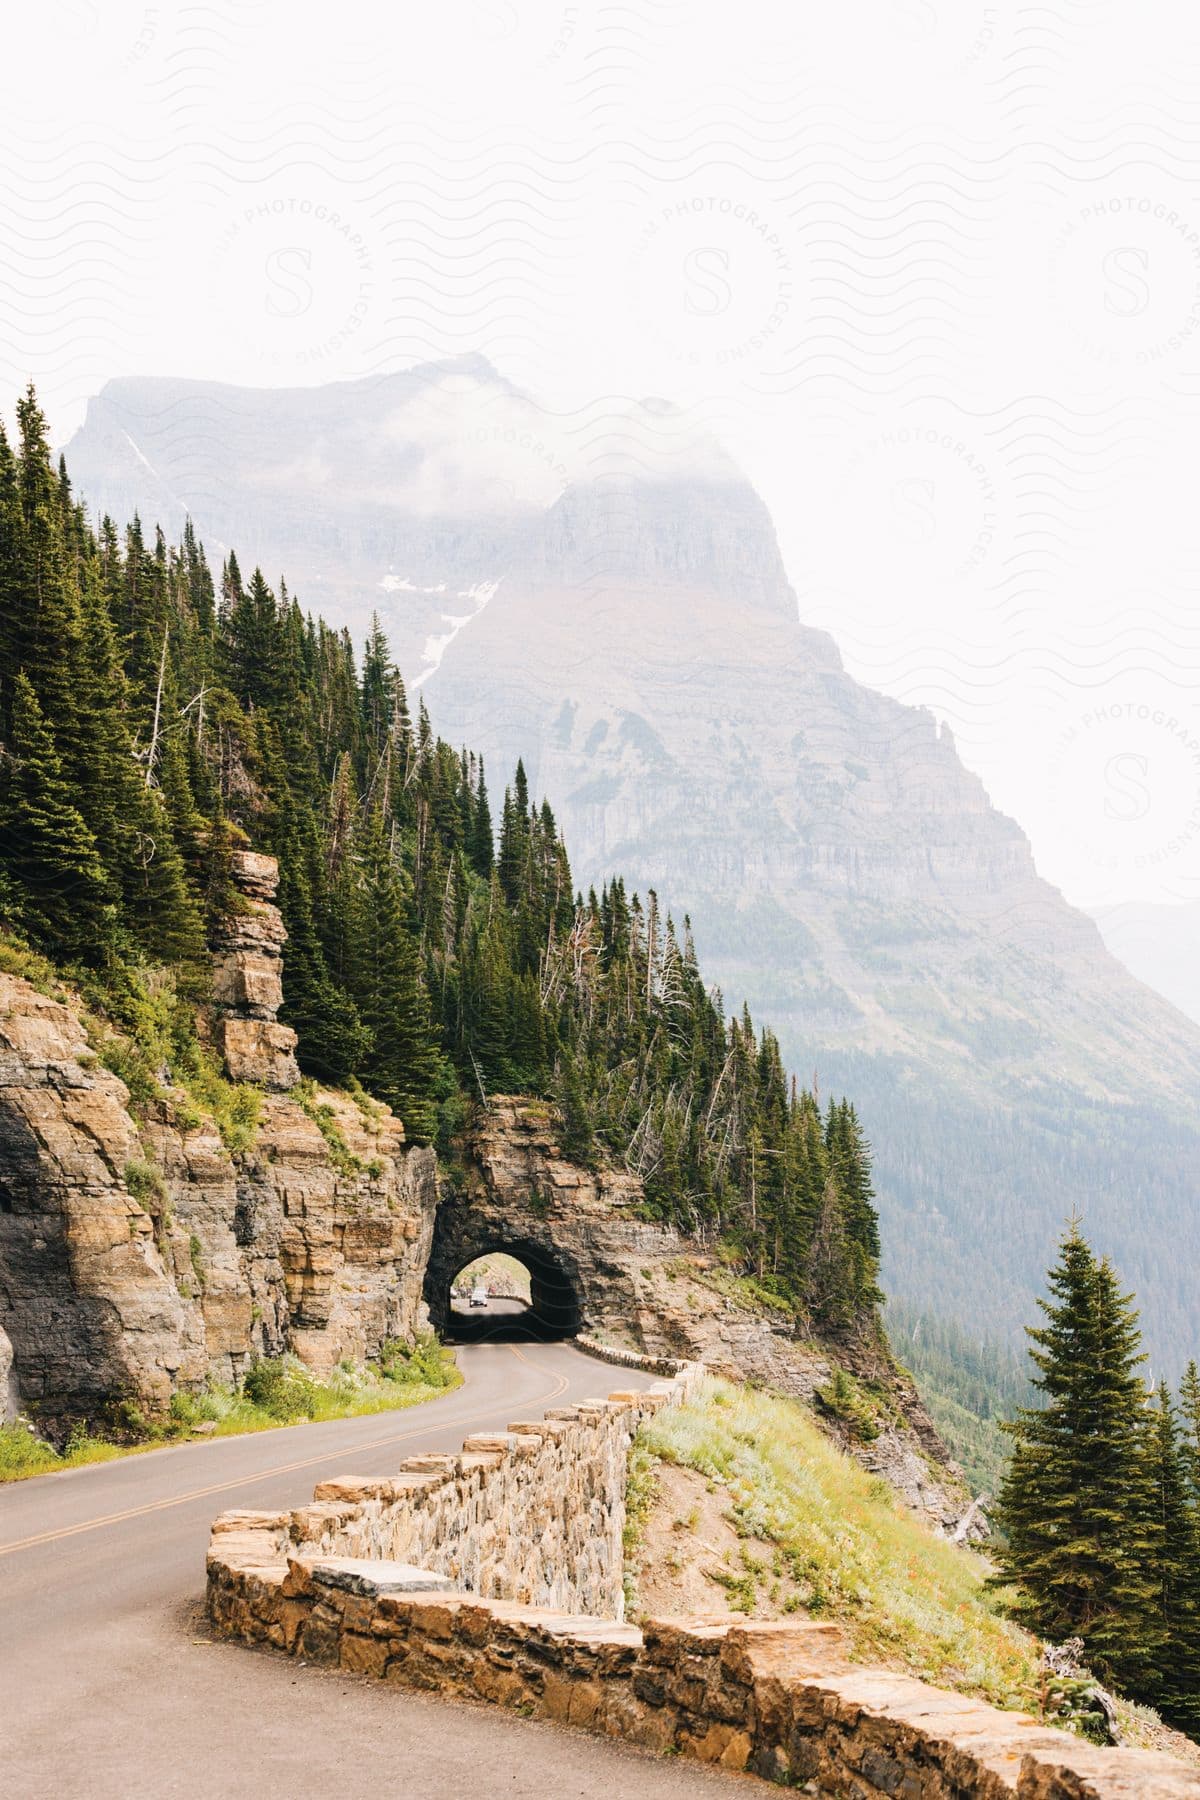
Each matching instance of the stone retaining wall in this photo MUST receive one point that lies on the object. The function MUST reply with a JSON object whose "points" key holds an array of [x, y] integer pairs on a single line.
{"points": [[775, 1699], [369, 1579], [534, 1514], [627, 1359]]}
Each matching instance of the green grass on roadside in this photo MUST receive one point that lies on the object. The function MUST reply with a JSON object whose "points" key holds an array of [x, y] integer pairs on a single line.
{"points": [[23, 1453], [276, 1391], [843, 1546]]}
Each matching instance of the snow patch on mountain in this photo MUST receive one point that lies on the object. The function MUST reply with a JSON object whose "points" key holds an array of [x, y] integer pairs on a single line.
{"points": [[479, 593]]}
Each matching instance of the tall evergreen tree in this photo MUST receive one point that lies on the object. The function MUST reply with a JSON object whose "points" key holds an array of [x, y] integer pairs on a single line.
{"points": [[404, 1065], [1076, 1504], [1189, 1402], [60, 889], [1173, 1567]]}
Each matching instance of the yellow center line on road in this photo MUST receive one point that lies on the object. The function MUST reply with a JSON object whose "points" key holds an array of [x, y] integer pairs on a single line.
{"points": [[223, 1487]]}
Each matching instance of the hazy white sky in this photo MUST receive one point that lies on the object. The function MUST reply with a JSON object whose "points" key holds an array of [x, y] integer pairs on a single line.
{"points": [[931, 270]]}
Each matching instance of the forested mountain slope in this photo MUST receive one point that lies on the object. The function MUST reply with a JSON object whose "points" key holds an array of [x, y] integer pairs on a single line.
{"points": [[623, 620], [151, 720]]}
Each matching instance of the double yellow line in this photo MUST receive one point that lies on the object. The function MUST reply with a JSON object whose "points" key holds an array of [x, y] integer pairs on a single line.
{"points": [[561, 1382]]}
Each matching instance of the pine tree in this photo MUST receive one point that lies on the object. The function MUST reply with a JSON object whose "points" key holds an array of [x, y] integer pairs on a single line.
{"points": [[252, 640], [404, 1065], [1189, 1402], [377, 690], [160, 908], [1076, 1503], [334, 1043], [58, 883], [42, 626], [1173, 1567], [578, 1139], [481, 846]]}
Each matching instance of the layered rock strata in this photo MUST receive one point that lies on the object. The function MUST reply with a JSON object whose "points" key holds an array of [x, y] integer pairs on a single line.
{"points": [[138, 1257], [598, 1263], [248, 980]]}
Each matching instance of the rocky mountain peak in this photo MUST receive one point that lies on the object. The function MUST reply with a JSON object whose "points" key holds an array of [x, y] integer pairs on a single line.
{"points": [[604, 596]]}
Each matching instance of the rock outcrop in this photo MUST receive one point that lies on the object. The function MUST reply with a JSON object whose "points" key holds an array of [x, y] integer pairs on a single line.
{"points": [[9, 1398], [580, 1232], [597, 1262], [248, 981], [142, 1256]]}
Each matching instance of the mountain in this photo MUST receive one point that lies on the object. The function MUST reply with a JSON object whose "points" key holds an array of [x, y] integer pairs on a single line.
{"points": [[617, 612], [1160, 944], [367, 495]]}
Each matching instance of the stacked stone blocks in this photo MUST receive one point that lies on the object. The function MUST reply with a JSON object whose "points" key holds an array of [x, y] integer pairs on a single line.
{"points": [[248, 980]]}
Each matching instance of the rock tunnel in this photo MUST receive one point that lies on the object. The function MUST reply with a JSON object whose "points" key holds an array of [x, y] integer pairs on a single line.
{"points": [[554, 1311]]}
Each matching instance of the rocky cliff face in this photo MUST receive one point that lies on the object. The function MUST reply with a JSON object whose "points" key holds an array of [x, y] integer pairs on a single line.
{"points": [[847, 876], [596, 1262], [139, 1256]]}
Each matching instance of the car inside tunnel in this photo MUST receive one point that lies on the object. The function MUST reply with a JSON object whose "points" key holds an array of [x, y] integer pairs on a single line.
{"points": [[505, 1291]]}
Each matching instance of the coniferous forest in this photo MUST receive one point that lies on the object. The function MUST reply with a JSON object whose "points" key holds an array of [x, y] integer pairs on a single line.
{"points": [[156, 713]]}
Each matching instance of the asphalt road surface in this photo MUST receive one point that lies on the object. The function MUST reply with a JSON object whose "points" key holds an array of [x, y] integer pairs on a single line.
{"points": [[500, 1320], [110, 1687]]}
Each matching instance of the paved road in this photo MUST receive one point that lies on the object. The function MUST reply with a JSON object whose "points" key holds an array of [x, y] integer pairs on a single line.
{"points": [[501, 1318], [111, 1690]]}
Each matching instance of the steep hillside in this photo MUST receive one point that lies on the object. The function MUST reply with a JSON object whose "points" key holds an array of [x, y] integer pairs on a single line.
{"points": [[622, 619], [740, 1508]]}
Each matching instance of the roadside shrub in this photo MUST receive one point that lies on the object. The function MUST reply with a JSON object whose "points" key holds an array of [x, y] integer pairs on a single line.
{"points": [[209, 1406], [23, 1453], [421, 1362], [281, 1386]]}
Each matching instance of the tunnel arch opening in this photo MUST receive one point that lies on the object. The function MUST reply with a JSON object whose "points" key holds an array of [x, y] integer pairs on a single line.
{"points": [[551, 1311]]}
